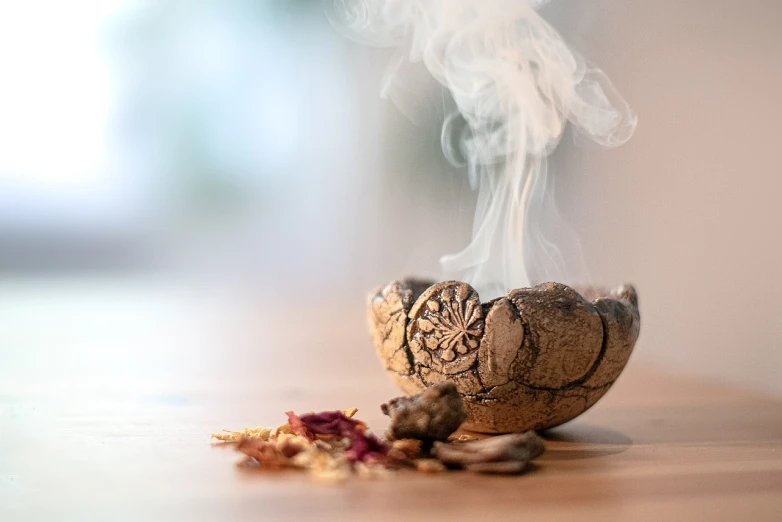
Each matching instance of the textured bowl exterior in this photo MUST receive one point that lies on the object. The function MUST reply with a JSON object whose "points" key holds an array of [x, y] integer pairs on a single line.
{"points": [[531, 360]]}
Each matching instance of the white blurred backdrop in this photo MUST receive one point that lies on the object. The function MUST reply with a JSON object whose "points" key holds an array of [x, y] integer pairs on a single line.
{"points": [[242, 145]]}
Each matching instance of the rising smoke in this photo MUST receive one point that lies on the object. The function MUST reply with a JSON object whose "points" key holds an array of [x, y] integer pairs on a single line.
{"points": [[516, 85]]}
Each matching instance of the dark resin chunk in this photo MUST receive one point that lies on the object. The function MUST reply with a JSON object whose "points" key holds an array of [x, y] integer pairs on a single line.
{"points": [[432, 415]]}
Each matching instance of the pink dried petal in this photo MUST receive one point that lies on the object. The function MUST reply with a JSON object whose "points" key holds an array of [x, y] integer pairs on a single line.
{"points": [[329, 423], [363, 447], [298, 426]]}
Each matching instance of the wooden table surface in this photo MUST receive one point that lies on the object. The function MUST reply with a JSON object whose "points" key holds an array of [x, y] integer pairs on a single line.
{"points": [[111, 422]]}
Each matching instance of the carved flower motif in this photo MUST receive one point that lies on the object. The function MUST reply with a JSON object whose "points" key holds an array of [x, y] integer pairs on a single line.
{"points": [[454, 326]]}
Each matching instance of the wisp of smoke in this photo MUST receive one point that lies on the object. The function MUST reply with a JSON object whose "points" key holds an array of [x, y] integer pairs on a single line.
{"points": [[516, 85]]}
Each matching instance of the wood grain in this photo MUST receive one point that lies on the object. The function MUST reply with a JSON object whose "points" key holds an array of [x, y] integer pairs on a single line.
{"points": [[131, 442]]}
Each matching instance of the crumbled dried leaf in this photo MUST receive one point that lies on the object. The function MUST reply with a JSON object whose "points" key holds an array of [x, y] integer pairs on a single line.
{"points": [[265, 453], [248, 433], [322, 465]]}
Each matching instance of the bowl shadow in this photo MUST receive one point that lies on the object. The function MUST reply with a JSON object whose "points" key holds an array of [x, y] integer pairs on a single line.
{"points": [[583, 441]]}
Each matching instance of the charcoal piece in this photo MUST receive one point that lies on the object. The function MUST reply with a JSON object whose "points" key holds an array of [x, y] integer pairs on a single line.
{"points": [[432, 415]]}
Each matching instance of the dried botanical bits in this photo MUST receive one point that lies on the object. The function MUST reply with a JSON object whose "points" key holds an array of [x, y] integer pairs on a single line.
{"points": [[499, 454], [363, 447], [432, 415], [332, 445]]}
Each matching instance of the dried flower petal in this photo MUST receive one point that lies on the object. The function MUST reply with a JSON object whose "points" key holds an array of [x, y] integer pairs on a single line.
{"points": [[350, 412], [363, 447], [366, 448], [332, 445], [253, 433], [297, 426], [325, 423]]}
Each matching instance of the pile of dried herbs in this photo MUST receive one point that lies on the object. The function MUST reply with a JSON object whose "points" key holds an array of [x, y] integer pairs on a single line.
{"points": [[333, 445]]}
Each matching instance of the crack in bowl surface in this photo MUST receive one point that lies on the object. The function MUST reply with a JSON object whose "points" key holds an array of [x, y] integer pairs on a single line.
{"points": [[533, 359]]}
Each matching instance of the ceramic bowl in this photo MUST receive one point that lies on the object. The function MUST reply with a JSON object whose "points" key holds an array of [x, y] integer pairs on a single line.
{"points": [[531, 360]]}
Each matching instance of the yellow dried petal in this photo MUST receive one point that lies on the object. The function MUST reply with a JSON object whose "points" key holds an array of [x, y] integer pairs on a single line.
{"points": [[227, 437], [248, 433], [349, 412], [429, 466]]}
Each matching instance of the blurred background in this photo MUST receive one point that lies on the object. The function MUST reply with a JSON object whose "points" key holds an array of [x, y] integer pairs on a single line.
{"points": [[192, 189]]}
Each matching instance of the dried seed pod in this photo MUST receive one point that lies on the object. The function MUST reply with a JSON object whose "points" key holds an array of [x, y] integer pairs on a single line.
{"points": [[500, 454], [432, 415]]}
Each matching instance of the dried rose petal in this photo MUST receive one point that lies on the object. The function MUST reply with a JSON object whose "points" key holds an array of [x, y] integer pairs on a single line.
{"points": [[297, 426], [363, 447], [330, 423]]}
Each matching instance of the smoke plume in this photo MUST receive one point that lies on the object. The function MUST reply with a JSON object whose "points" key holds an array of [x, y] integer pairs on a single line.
{"points": [[516, 85]]}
